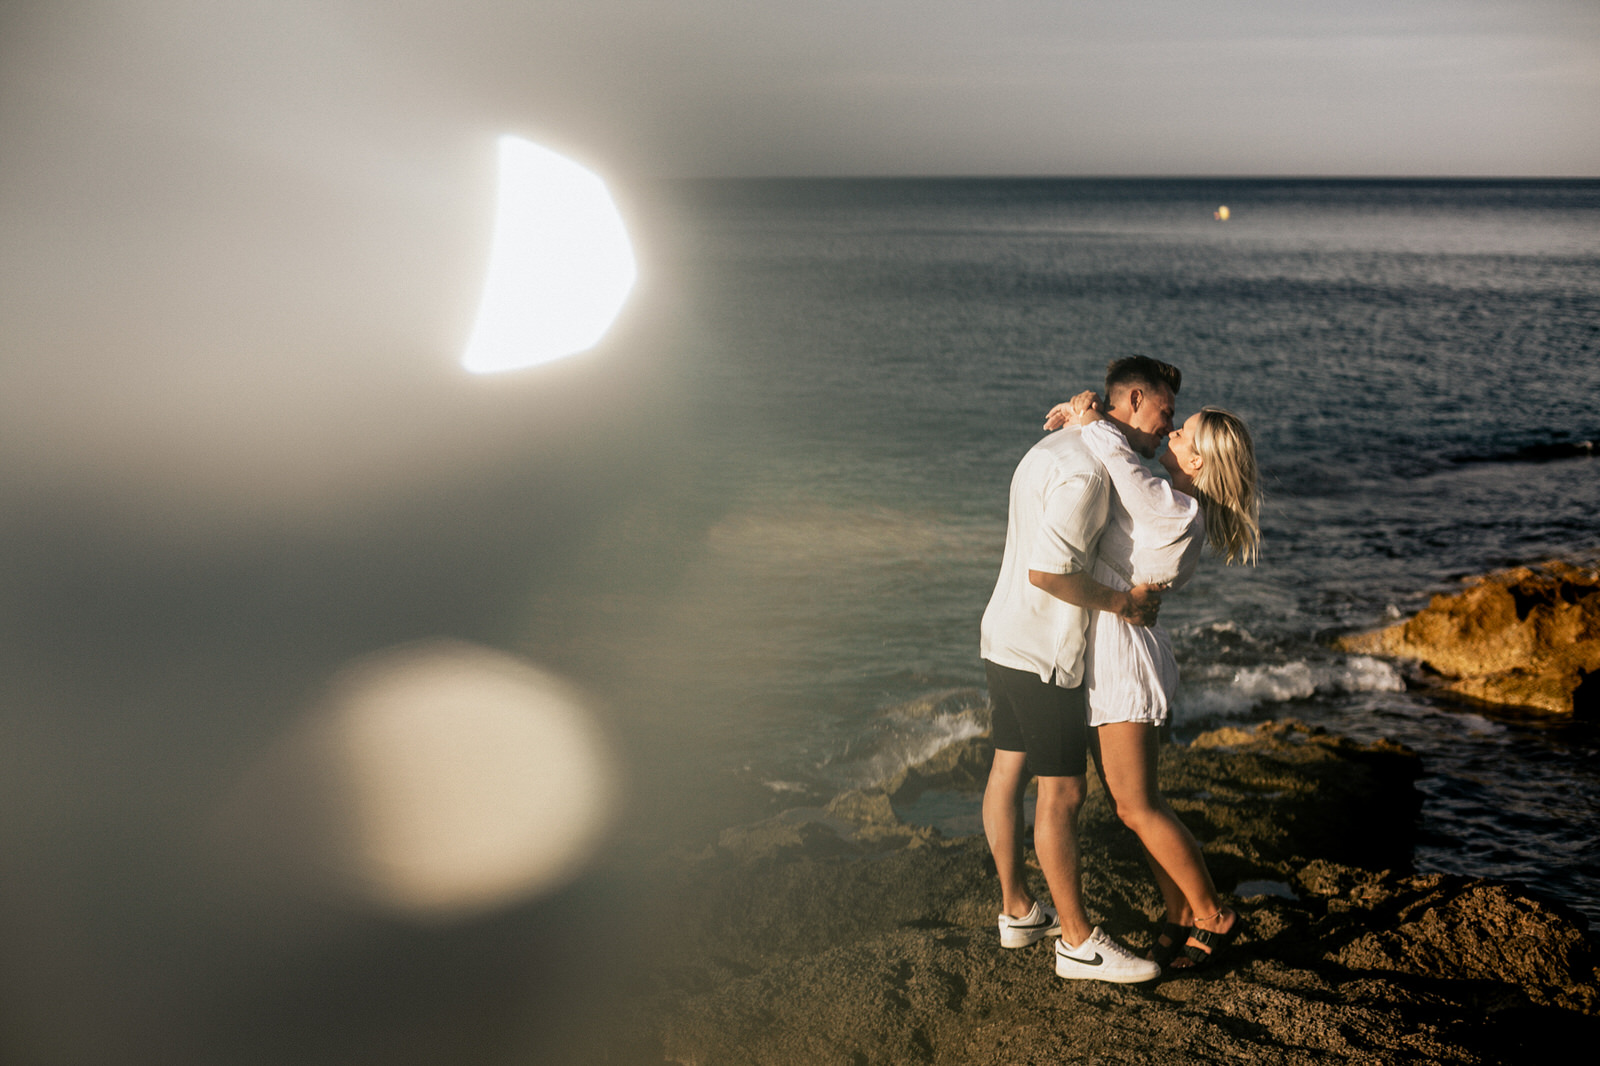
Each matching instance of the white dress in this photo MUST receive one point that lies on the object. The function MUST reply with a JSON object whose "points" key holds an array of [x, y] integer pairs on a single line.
{"points": [[1153, 534]]}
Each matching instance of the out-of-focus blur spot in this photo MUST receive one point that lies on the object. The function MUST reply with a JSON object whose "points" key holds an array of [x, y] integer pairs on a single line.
{"points": [[438, 780], [561, 265]]}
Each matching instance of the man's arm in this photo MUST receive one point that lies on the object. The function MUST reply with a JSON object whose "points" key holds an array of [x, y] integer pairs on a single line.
{"points": [[1138, 606]]}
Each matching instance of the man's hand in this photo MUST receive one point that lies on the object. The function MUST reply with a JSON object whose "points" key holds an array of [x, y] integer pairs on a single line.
{"points": [[1138, 606], [1143, 604]]}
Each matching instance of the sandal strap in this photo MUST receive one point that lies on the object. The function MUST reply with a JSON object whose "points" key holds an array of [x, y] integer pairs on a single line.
{"points": [[1205, 943], [1175, 935]]}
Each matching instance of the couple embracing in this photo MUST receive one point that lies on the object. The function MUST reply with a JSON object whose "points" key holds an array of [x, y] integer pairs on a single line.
{"points": [[1076, 664]]}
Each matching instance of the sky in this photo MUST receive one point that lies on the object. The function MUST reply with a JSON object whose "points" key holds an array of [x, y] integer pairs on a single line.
{"points": [[732, 87], [217, 221]]}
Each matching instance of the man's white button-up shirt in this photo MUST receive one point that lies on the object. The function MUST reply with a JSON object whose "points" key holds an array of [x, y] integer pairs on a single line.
{"points": [[1060, 498]]}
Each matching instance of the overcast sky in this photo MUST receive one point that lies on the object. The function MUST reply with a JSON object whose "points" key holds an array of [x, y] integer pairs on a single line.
{"points": [[212, 214], [732, 87]]}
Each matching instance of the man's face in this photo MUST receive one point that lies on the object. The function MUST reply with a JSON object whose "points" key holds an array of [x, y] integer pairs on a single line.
{"points": [[1146, 416]]}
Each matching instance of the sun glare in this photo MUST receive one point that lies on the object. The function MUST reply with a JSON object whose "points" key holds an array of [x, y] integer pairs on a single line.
{"points": [[561, 265]]}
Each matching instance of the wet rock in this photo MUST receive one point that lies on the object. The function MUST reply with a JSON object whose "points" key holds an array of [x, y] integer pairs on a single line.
{"points": [[962, 766], [793, 831], [1285, 792], [861, 953], [867, 809], [853, 823], [1525, 637]]}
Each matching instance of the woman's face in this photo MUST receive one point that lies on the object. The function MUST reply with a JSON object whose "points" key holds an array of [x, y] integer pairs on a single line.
{"points": [[1181, 442]]}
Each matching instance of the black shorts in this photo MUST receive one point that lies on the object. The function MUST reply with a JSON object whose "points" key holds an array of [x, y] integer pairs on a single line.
{"points": [[1045, 722]]}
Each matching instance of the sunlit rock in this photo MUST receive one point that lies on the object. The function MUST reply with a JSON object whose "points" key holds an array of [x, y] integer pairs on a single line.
{"points": [[1523, 637]]}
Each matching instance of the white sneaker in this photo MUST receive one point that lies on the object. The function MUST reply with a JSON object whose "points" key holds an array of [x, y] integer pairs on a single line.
{"points": [[1102, 959], [1031, 928]]}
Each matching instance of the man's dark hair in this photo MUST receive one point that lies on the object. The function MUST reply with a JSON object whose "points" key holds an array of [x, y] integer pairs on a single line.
{"points": [[1142, 370]]}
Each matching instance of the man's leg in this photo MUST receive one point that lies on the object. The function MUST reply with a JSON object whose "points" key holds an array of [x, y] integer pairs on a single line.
{"points": [[1083, 952], [1055, 839], [1002, 825], [1037, 726]]}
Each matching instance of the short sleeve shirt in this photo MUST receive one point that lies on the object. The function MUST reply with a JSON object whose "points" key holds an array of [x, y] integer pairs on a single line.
{"points": [[1060, 497]]}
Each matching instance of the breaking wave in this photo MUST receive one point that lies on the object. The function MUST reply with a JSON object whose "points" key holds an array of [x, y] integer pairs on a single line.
{"points": [[911, 733], [1237, 692]]}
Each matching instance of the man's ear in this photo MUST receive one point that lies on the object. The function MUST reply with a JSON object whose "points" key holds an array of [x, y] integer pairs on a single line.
{"points": [[1135, 398]]}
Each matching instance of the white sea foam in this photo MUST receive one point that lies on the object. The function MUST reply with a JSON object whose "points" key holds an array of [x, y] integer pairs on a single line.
{"points": [[1366, 674], [1226, 628], [1251, 686], [914, 741]]}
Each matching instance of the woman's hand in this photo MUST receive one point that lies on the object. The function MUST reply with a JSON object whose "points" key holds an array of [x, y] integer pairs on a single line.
{"points": [[1078, 411]]}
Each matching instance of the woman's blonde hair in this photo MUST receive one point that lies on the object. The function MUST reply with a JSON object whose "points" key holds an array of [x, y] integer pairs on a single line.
{"points": [[1226, 485]]}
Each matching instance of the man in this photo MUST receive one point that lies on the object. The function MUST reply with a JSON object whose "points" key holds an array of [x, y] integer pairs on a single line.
{"points": [[1033, 639]]}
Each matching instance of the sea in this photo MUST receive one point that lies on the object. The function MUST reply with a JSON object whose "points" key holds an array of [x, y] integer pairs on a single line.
{"points": [[754, 530], [863, 362]]}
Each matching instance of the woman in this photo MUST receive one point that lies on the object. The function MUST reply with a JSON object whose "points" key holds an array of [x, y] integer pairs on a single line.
{"points": [[1154, 535]]}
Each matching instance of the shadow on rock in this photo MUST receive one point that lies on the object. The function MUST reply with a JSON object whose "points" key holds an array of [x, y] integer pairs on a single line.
{"points": [[840, 935]]}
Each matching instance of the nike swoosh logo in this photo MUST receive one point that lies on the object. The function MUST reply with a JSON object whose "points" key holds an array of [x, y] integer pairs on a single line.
{"points": [[1096, 961]]}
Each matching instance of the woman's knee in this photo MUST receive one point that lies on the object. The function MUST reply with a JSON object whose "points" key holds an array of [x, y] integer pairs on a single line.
{"points": [[1135, 809]]}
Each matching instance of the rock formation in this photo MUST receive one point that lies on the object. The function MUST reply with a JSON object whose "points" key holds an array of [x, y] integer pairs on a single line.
{"points": [[1524, 637], [839, 935]]}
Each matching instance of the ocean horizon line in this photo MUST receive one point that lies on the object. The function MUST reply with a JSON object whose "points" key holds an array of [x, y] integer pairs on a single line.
{"points": [[1344, 179]]}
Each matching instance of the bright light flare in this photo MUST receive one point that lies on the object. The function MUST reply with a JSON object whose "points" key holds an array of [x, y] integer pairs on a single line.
{"points": [[561, 265], [439, 780]]}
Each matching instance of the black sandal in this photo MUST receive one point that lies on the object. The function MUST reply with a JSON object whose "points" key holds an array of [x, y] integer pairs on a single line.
{"points": [[1163, 954], [1213, 944]]}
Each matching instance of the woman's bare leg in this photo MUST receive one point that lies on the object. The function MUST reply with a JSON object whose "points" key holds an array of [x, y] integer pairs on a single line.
{"points": [[1127, 756], [1177, 906]]}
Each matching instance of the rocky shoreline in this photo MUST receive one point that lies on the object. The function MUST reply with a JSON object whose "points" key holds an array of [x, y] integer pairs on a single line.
{"points": [[840, 934], [1527, 637]]}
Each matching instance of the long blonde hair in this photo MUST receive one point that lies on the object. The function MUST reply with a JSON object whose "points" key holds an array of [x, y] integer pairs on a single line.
{"points": [[1225, 485]]}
